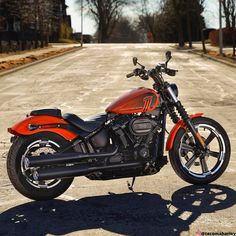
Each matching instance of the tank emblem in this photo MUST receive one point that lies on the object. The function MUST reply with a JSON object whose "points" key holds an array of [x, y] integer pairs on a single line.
{"points": [[147, 103]]}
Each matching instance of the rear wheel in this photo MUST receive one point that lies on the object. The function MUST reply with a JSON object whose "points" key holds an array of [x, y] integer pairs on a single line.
{"points": [[198, 167], [21, 178]]}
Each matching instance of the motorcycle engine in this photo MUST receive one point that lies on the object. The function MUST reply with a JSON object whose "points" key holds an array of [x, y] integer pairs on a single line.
{"points": [[135, 135], [143, 130], [141, 126]]}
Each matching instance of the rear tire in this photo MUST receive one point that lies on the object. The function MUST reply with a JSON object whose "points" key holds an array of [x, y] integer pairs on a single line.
{"points": [[182, 152], [22, 146]]}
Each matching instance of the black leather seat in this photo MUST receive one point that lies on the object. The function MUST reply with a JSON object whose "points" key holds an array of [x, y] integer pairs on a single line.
{"points": [[46, 112], [89, 125]]}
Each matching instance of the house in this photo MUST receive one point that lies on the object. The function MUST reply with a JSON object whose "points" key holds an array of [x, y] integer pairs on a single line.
{"points": [[27, 24]]}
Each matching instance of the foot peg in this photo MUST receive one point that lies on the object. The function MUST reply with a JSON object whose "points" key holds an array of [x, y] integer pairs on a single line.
{"points": [[130, 186]]}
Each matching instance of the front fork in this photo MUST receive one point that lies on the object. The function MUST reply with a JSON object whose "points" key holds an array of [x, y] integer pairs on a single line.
{"points": [[186, 119]]}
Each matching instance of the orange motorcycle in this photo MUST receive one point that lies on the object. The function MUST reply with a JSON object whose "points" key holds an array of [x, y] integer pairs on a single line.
{"points": [[50, 149]]}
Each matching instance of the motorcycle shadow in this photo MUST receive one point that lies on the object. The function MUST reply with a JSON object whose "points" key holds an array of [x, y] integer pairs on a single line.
{"points": [[127, 214]]}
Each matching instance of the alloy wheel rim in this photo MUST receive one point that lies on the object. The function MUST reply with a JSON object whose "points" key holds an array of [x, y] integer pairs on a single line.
{"points": [[37, 148], [190, 159]]}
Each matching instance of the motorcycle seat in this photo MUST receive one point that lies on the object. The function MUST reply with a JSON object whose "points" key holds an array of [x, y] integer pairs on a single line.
{"points": [[46, 112], [89, 125]]}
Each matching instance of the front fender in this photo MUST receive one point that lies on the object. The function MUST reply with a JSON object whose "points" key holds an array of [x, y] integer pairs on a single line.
{"points": [[45, 123], [173, 132]]}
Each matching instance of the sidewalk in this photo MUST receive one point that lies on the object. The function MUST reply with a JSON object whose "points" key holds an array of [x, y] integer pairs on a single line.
{"points": [[15, 60], [213, 53]]}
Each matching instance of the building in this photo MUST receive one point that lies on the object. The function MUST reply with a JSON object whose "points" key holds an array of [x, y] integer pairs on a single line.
{"points": [[31, 24], [60, 18]]}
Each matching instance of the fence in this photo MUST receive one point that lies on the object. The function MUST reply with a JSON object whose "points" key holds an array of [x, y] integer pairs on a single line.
{"points": [[11, 41]]}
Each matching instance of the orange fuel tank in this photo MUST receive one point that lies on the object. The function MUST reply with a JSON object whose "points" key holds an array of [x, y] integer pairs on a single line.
{"points": [[135, 101]]}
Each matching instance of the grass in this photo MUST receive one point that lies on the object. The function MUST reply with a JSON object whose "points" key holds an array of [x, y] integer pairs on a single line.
{"points": [[69, 41]]}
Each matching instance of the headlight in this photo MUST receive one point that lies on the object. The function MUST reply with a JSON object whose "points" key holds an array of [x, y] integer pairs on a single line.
{"points": [[175, 89]]}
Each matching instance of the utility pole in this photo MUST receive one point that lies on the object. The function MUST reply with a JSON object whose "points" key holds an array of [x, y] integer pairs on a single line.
{"points": [[82, 16], [220, 30]]}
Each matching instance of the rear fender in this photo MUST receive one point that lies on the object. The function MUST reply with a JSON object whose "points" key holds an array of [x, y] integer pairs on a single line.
{"points": [[173, 132], [35, 124]]}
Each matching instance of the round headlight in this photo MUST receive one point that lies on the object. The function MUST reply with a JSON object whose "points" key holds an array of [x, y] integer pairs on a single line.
{"points": [[175, 89]]}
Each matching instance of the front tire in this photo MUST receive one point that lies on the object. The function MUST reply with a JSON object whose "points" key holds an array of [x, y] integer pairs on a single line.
{"points": [[34, 145], [197, 168]]}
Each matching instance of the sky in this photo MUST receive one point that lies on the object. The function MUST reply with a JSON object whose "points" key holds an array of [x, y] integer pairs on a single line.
{"points": [[74, 10], [210, 14]]}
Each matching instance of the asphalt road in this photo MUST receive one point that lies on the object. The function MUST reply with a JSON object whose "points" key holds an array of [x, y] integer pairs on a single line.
{"points": [[85, 82]]}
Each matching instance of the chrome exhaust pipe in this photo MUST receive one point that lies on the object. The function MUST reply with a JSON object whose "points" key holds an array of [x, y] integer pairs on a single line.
{"points": [[63, 158], [76, 170]]}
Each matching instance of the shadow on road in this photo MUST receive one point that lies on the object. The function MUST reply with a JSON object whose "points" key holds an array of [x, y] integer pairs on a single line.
{"points": [[128, 214]]}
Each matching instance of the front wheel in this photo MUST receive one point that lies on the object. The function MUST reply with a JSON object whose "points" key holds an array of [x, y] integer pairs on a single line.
{"points": [[197, 167], [21, 178]]}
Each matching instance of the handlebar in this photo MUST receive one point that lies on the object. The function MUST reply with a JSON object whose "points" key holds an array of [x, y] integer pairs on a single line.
{"points": [[171, 72], [144, 74], [130, 75], [138, 72], [155, 73]]}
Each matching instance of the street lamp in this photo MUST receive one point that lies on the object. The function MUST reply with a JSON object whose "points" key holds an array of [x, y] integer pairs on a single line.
{"points": [[82, 16], [220, 30]]}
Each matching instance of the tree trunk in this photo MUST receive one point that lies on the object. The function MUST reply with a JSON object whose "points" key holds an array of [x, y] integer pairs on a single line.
{"points": [[41, 40], [233, 40], [180, 32], [202, 34], [22, 38], [47, 39], [104, 34], [36, 43], [99, 32], [189, 26], [226, 13], [203, 41]]}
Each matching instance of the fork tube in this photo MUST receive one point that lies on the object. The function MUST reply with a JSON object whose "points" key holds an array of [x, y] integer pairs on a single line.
{"points": [[187, 121]]}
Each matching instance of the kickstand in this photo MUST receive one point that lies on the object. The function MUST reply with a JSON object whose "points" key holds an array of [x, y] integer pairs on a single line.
{"points": [[130, 186]]}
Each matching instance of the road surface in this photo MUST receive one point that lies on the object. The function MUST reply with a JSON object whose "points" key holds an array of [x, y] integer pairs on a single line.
{"points": [[85, 82]]}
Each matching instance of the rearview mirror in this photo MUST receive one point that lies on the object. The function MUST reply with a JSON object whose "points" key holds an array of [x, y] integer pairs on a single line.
{"points": [[135, 60], [168, 55]]}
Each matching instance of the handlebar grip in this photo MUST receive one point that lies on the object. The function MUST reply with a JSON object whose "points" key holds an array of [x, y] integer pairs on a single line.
{"points": [[130, 75], [171, 72]]}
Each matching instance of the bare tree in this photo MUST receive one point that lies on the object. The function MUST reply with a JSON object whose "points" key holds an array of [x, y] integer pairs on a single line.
{"points": [[173, 20], [179, 6], [125, 32], [199, 6], [189, 24], [148, 19], [229, 8], [106, 14]]}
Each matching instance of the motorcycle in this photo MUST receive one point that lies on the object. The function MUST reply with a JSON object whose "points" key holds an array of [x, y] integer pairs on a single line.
{"points": [[50, 149]]}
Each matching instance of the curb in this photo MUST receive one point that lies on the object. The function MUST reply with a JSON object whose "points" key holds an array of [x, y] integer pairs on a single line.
{"points": [[231, 64], [17, 68]]}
